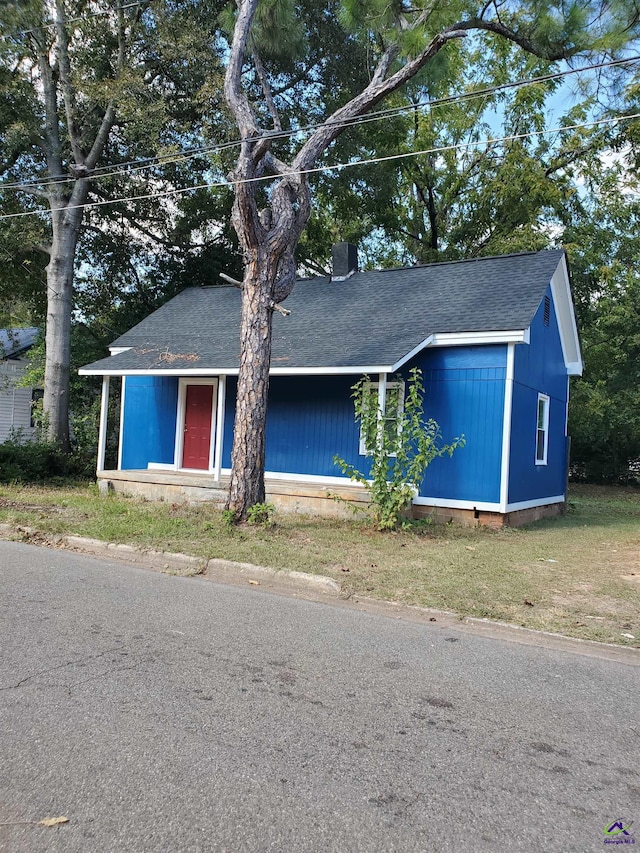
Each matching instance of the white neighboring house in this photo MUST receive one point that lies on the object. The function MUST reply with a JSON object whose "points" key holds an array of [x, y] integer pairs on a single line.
{"points": [[15, 402]]}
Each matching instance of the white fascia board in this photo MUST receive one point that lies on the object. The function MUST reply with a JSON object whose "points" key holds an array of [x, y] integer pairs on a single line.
{"points": [[405, 358], [458, 339], [485, 506], [461, 339], [558, 499], [567, 326], [118, 350], [356, 370]]}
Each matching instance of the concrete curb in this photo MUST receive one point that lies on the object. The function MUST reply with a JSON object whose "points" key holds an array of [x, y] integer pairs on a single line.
{"points": [[315, 588], [181, 565]]}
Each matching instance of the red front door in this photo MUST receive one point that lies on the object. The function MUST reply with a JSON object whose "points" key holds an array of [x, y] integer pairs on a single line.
{"points": [[197, 426]]}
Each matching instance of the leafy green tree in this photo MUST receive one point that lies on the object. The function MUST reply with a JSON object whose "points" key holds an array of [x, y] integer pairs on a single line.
{"points": [[604, 250], [85, 85]]}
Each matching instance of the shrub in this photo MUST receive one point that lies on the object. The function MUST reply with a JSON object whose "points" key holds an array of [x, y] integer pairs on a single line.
{"points": [[40, 462], [401, 449]]}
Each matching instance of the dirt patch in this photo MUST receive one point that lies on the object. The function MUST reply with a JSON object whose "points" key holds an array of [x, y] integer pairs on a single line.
{"points": [[25, 507]]}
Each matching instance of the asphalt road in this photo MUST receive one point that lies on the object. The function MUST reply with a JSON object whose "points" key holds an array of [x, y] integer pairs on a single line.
{"points": [[170, 714]]}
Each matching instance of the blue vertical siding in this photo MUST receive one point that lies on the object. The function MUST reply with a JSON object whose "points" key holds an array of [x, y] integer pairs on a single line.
{"points": [[539, 368], [229, 419], [309, 420], [150, 412], [464, 394]]}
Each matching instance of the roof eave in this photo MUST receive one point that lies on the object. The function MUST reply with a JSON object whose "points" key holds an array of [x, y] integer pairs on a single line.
{"points": [[233, 371], [565, 313], [462, 339]]}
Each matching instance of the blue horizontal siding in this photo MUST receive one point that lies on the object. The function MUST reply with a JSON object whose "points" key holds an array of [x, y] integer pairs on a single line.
{"points": [[149, 424], [538, 368], [464, 394]]}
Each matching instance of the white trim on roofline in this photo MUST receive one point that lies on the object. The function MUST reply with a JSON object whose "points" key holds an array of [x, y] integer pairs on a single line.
{"points": [[405, 358], [518, 336], [462, 339], [561, 293], [233, 371], [118, 350], [457, 339]]}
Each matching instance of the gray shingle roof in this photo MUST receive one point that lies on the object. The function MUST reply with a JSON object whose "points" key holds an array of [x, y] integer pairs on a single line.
{"points": [[372, 318], [13, 342]]}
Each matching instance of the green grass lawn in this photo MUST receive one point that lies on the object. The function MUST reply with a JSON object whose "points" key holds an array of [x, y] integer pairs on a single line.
{"points": [[577, 575]]}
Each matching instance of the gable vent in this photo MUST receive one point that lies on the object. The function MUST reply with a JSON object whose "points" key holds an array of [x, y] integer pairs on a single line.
{"points": [[547, 310]]}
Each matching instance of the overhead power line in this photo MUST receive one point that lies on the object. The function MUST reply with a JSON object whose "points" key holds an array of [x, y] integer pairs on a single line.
{"points": [[330, 168], [68, 21], [131, 166]]}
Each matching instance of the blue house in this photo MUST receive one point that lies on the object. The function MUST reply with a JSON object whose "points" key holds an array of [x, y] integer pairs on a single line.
{"points": [[495, 339]]}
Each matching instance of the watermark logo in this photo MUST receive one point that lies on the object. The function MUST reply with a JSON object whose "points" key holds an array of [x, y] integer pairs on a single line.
{"points": [[619, 832]]}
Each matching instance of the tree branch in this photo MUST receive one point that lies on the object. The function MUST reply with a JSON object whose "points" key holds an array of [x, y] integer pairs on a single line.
{"points": [[110, 113], [26, 188], [378, 89], [233, 92], [266, 88], [52, 147], [381, 86], [68, 94]]}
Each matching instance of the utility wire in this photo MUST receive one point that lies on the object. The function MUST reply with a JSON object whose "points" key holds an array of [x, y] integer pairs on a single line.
{"points": [[130, 166], [54, 24], [330, 168]]}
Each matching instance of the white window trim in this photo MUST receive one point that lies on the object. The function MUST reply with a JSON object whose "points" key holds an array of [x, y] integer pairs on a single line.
{"points": [[545, 427], [382, 386]]}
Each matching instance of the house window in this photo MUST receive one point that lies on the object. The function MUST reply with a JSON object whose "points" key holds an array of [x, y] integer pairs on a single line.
{"points": [[542, 430], [393, 407]]}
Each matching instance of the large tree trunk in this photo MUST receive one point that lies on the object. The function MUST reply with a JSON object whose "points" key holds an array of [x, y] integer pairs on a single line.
{"points": [[60, 270], [247, 459]]}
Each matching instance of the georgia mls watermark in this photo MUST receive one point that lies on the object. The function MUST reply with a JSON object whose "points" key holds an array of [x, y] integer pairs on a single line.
{"points": [[619, 832]]}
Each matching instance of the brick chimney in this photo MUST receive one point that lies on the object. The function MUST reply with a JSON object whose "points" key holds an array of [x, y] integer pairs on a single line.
{"points": [[345, 261]]}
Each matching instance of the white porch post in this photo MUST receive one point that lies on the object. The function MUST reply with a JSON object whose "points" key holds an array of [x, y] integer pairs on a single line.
{"points": [[217, 463], [382, 398], [102, 435]]}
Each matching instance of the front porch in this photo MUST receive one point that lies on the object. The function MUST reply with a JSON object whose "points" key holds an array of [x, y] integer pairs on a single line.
{"points": [[289, 495]]}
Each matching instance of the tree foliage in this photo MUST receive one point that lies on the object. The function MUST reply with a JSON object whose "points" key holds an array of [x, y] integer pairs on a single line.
{"points": [[604, 249], [84, 87]]}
